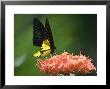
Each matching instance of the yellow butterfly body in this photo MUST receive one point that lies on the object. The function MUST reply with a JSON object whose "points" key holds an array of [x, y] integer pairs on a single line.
{"points": [[45, 45], [45, 49]]}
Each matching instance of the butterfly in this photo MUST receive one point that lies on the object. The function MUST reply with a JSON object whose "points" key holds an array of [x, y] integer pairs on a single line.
{"points": [[42, 36]]}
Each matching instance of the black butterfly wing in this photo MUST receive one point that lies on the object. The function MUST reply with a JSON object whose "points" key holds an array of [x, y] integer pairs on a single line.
{"points": [[50, 37], [39, 32]]}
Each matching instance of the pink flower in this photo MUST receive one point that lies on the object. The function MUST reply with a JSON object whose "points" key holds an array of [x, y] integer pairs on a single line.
{"points": [[65, 64]]}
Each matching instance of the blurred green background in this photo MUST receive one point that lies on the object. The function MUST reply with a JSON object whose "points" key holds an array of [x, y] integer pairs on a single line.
{"points": [[71, 32]]}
